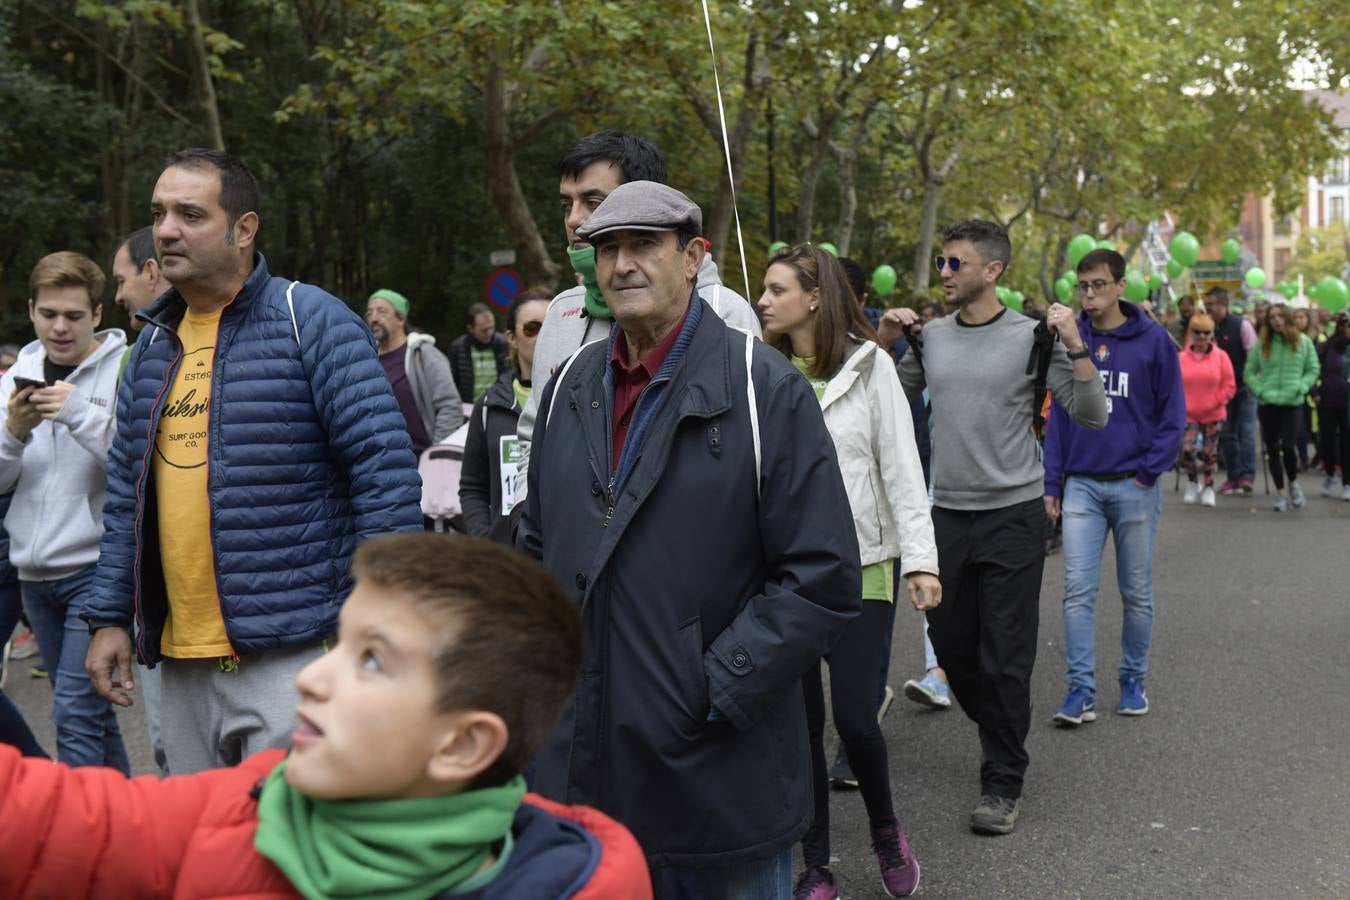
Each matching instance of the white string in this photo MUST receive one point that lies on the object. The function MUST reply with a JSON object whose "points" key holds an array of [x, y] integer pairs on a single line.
{"points": [[726, 145]]}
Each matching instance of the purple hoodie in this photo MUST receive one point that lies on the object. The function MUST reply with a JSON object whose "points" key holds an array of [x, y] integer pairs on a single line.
{"points": [[1145, 402]]}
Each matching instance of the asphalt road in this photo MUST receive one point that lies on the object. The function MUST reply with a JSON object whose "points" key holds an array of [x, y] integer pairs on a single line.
{"points": [[1235, 785]]}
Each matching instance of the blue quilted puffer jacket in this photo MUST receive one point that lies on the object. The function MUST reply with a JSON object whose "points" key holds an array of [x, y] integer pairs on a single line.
{"points": [[308, 456]]}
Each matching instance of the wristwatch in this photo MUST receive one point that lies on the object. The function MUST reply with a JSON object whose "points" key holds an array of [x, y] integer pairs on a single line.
{"points": [[1081, 354]]}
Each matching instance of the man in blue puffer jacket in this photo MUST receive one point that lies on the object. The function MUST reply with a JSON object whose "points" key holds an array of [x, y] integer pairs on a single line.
{"points": [[258, 442]]}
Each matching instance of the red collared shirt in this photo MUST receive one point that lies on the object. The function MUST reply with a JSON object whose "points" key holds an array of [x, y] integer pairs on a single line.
{"points": [[631, 381]]}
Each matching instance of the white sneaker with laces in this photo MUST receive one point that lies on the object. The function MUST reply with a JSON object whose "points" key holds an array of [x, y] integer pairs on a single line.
{"points": [[1207, 496], [1329, 486], [1192, 492], [1296, 496]]}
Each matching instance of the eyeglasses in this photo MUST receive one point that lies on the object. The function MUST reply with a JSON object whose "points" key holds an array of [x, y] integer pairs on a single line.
{"points": [[530, 329], [1202, 334], [1095, 287], [952, 262]]}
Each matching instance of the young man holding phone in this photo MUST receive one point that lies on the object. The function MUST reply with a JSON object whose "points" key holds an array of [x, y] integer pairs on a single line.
{"points": [[53, 457]]}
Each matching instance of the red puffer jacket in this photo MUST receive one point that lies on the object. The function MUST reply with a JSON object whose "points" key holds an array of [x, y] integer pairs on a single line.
{"points": [[91, 832]]}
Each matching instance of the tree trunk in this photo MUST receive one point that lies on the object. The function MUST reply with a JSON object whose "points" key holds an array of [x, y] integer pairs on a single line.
{"points": [[718, 226], [201, 75], [806, 206], [923, 250], [508, 198]]}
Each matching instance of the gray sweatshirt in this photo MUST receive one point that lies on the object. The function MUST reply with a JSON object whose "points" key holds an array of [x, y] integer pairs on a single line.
{"points": [[567, 329], [984, 449]]}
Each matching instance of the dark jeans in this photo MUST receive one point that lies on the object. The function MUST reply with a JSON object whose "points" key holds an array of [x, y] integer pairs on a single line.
{"points": [[853, 666], [15, 731], [1237, 442], [11, 607], [984, 631], [1334, 431], [1279, 432]]}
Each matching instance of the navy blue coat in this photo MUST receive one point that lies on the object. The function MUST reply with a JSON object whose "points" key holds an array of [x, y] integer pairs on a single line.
{"points": [[695, 592], [308, 455]]}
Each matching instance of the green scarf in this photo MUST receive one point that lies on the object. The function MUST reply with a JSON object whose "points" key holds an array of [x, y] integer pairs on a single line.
{"points": [[583, 263], [387, 849]]}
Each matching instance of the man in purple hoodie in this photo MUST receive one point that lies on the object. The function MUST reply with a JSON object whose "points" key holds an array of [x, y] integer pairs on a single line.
{"points": [[1107, 479]]}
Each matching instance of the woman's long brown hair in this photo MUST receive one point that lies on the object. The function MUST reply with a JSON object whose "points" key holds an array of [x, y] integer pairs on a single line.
{"points": [[839, 313], [1291, 334]]}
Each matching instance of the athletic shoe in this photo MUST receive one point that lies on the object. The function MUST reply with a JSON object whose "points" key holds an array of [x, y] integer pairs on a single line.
{"points": [[1296, 496], [37, 672], [841, 776], [1207, 496], [887, 697], [1078, 707], [25, 645], [1133, 700], [929, 691], [1329, 486], [1281, 503], [899, 868], [995, 814], [1345, 493], [816, 883], [1245, 484], [1192, 492], [1228, 487]]}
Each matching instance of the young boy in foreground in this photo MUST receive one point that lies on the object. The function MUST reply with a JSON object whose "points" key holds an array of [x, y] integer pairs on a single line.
{"points": [[454, 659]]}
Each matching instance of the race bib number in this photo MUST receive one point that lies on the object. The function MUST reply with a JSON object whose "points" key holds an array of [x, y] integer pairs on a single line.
{"points": [[512, 455]]}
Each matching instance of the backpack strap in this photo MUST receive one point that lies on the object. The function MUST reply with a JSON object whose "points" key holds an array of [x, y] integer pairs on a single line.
{"points": [[754, 407], [562, 375], [1038, 364], [915, 342]]}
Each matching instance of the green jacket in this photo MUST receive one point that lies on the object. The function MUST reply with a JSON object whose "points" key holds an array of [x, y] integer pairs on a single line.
{"points": [[1285, 377]]}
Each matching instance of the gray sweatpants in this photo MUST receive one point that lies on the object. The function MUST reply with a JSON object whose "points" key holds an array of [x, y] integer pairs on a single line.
{"points": [[211, 718]]}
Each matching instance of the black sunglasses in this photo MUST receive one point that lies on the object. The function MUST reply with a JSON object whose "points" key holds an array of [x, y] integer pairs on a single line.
{"points": [[530, 329], [952, 262]]}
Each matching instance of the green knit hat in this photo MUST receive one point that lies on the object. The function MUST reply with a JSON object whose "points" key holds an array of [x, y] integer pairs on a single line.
{"points": [[394, 299]]}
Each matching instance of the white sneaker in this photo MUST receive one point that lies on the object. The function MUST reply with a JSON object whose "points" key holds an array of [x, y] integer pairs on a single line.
{"points": [[1345, 493], [1296, 496], [1207, 496], [1329, 486], [1192, 492]]}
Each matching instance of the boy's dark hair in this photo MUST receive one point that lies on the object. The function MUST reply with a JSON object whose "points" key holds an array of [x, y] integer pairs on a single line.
{"points": [[510, 639], [989, 239], [1218, 294], [238, 188], [140, 246], [1103, 257], [638, 159], [856, 277]]}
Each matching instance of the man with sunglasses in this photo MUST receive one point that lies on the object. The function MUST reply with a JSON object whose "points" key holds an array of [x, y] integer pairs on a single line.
{"points": [[417, 371], [988, 515], [1107, 480]]}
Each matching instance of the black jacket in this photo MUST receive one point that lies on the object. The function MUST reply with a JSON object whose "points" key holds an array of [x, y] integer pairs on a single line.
{"points": [[480, 485], [461, 361], [696, 591]]}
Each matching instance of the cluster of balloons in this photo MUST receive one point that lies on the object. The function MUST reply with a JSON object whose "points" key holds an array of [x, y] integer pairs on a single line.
{"points": [[1010, 298], [824, 245], [1331, 292]]}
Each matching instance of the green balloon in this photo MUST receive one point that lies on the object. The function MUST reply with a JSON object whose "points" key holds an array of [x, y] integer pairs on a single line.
{"points": [[1014, 300], [828, 248], [1080, 247], [883, 280], [1063, 290], [776, 246], [1136, 288], [1255, 277], [1185, 248], [1174, 269], [1106, 245], [1288, 289], [1230, 251], [1333, 293]]}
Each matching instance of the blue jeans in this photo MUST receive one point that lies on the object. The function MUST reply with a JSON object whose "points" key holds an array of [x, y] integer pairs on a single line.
{"points": [[764, 879], [1237, 441], [11, 606], [86, 726], [1131, 513]]}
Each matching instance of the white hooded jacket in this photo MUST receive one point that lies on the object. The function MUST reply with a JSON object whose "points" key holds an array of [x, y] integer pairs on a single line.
{"points": [[59, 475]]}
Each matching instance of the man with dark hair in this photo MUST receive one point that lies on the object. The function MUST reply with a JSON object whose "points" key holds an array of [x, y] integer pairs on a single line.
{"points": [[988, 514], [1107, 480], [258, 442], [590, 171], [683, 487], [1237, 442], [417, 371], [478, 357], [137, 276]]}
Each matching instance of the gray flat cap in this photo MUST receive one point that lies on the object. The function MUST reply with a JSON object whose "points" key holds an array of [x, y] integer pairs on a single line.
{"points": [[643, 206]]}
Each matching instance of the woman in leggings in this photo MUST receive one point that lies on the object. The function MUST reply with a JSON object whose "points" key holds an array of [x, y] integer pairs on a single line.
{"points": [[812, 317], [1280, 372]]}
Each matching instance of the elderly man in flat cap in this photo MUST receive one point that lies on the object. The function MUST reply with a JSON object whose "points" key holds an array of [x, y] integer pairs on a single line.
{"points": [[684, 489]]}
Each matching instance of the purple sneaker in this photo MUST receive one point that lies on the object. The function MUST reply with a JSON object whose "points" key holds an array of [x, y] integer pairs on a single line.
{"points": [[899, 868], [816, 883]]}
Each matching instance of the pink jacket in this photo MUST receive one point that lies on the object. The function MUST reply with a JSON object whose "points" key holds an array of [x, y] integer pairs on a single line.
{"points": [[1209, 384]]}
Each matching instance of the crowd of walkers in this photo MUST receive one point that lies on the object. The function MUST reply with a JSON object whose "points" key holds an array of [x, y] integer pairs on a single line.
{"points": [[675, 513]]}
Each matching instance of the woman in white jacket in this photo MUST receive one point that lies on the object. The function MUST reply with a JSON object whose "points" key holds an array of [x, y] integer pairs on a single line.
{"points": [[811, 316]]}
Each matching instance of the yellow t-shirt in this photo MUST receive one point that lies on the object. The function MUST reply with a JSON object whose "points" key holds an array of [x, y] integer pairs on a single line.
{"points": [[195, 627]]}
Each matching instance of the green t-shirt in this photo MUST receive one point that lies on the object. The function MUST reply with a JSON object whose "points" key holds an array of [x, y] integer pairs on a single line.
{"points": [[876, 578], [521, 391], [484, 370]]}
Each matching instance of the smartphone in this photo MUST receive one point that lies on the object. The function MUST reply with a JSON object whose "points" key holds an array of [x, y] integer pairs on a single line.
{"points": [[20, 383]]}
